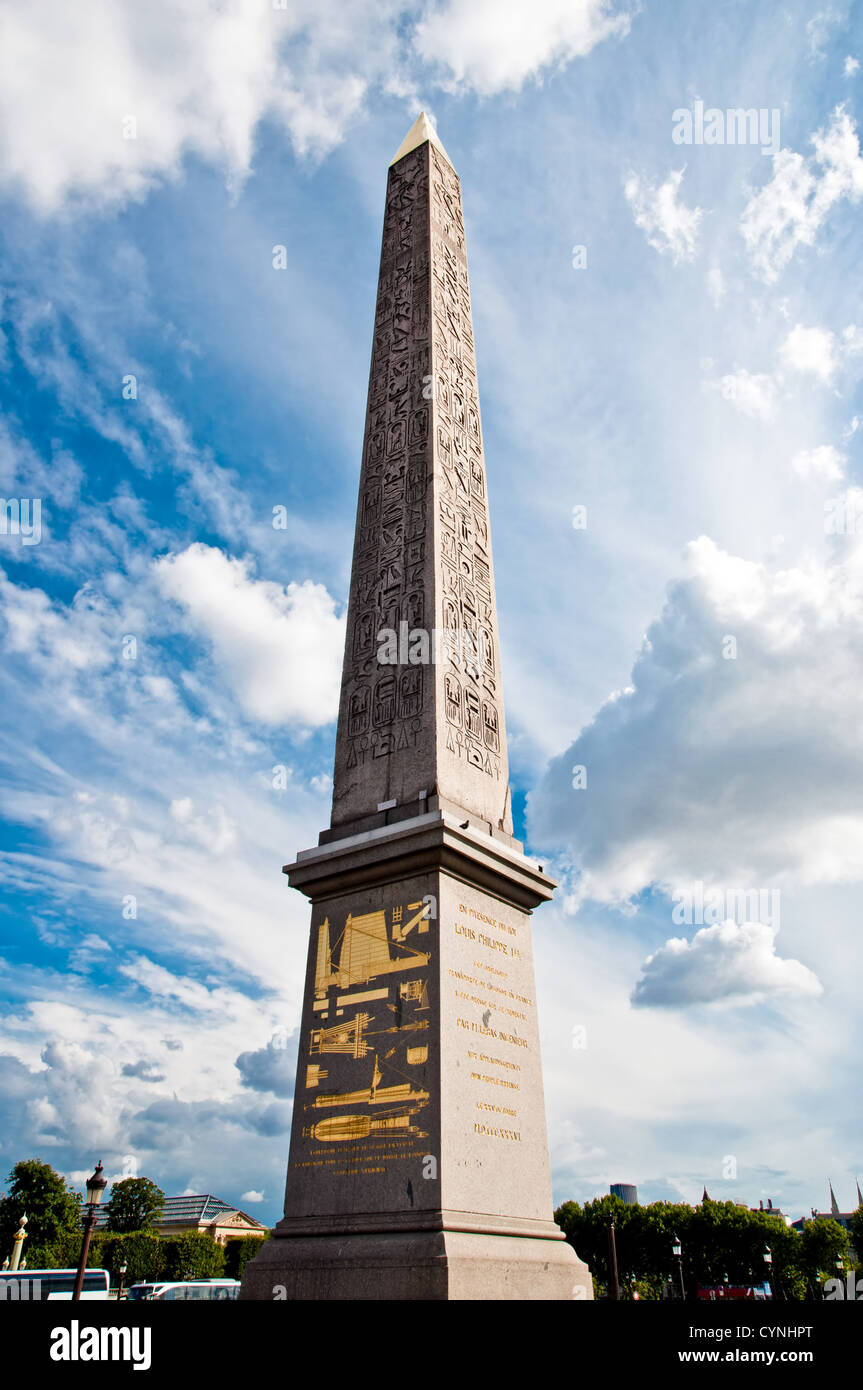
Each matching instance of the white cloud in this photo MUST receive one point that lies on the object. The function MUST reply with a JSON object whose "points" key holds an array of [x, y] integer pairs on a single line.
{"points": [[723, 963], [851, 66], [252, 1196], [128, 92], [492, 47], [195, 77], [825, 463], [280, 649], [670, 227], [733, 764], [820, 27], [752, 393], [810, 350], [789, 210]]}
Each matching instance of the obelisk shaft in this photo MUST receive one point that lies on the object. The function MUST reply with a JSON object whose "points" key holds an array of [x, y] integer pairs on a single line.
{"points": [[421, 710]]}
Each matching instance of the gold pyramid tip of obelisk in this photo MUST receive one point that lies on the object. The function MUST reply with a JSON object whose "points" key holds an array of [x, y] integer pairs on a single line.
{"points": [[421, 130]]}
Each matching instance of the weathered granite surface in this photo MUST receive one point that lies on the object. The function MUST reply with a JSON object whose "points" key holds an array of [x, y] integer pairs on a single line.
{"points": [[419, 1164]]}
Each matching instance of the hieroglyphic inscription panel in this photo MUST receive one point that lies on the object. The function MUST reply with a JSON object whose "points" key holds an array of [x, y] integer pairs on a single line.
{"points": [[472, 760], [422, 555], [385, 741]]}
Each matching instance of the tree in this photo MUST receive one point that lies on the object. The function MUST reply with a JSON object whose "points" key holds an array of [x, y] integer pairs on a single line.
{"points": [[193, 1255], [857, 1234], [717, 1238], [824, 1242], [53, 1208], [144, 1254], [135, 1205], [238, 1252]]}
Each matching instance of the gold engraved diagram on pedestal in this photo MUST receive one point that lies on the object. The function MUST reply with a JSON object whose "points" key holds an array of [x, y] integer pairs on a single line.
{"points": [[375, 1094], [347, 1127], [348, 1038], [366, 951]]}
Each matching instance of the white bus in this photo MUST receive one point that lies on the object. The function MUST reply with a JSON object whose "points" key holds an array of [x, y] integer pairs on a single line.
{"points": [[38, 1285], [193, 1289]]}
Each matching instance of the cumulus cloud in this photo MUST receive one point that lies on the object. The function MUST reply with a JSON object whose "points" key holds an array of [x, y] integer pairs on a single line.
{"points": [[144, 1071], [492, 48], [728, 962], [752, 393], [252, 1196], [736, 754], [75, 1071], [791, 208], [825, 463], [271, 1068], [804, 351], [669, 225], [280, 649], [129, 92], [810, 350], [157, 1126]]}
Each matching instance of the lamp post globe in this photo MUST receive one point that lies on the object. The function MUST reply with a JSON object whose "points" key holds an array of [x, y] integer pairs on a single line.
{"points": [[95, 1190], [96, 1185]]}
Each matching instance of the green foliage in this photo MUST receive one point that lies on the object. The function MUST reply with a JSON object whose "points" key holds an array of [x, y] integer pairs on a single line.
{"points": [[135, 1205], [193, 1255], [824, 1242], [143, 1252], [718, 1239], [53, 1208], [239, 1252], [856, 1235], [148, 1257], [63, 1252]]}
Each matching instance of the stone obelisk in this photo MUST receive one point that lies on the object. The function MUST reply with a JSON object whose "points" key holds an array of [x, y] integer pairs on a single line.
{"points": [[419, 1165]]}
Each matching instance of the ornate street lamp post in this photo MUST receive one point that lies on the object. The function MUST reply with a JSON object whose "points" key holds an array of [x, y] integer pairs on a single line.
{"points": [[95, 1188], [677, 1252], [613, 1282], [123, 1268], [768, 1267]]}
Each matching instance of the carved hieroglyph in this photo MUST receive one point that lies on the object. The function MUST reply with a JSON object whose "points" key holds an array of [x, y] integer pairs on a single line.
{"points": [[422, 555]]}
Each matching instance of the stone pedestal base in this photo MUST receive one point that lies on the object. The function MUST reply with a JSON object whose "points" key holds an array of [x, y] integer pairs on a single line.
{"points": [[431, 1265]]}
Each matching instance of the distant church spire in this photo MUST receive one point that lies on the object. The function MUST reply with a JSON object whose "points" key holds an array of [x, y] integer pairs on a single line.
{"points": [[859, 1194], [834, 1205], [704, 1196]]}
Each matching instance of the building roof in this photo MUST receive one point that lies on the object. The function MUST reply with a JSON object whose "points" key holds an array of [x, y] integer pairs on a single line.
{"points": [[204, 1207], [201, 1208]]}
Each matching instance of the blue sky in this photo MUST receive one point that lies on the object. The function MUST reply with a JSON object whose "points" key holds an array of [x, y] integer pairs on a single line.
{"points": [[696, 385]]}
